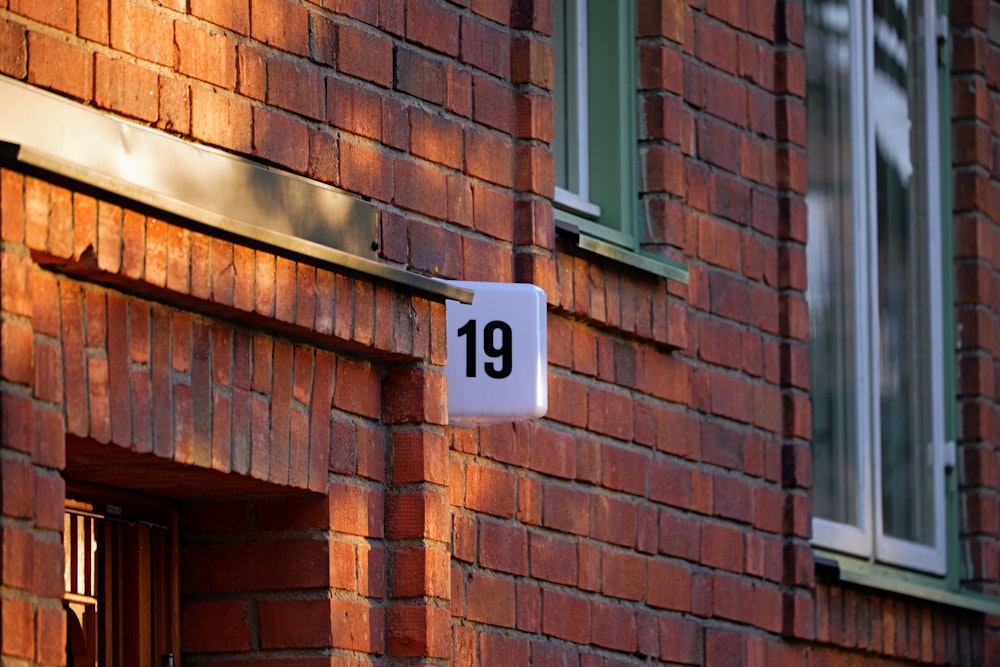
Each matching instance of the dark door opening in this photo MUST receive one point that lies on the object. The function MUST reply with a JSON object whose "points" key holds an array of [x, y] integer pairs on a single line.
{"points": [[122, 595]]}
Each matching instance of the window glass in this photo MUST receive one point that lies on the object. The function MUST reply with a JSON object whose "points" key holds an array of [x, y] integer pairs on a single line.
{"points": [[904, 346], [830, 259], [875, 280]]}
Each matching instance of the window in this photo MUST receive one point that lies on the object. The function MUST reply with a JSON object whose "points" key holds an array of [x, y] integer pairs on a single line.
{"points": [[875, 281], [121, 572], [595, 98]]}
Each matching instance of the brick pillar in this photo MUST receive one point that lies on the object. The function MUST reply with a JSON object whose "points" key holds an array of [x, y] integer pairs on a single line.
{"points": [[32, 439], [534, 182], [417, 515]]}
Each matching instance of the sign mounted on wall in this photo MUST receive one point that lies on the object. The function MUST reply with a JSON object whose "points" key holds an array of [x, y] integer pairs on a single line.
{"points": [[497, 354]]}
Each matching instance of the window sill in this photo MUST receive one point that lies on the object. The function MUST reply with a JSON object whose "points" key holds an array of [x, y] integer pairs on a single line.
{"points": [[643, 261], [835, 568]]}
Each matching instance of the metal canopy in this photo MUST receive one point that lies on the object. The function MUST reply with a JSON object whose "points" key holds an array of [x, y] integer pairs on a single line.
{"points": [[200, 184]]}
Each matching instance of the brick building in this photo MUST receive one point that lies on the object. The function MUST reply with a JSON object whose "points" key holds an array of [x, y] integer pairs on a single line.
{"points": [[225, 426]]}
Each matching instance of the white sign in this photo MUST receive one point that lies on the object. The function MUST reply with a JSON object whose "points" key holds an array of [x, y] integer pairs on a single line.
{"points": [[497, 354]]}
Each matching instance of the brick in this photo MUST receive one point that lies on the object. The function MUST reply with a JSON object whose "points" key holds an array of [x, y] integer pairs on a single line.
{"points": [[417, 515], [17, 362], [15, 429], [18, 295], [420, 187], [221, 121], [296, 86], [414, 396], [505, 443], [566, 395], [565, 509], [493, 212], [265, 274], [485, 46], [497, 650], [458, 91], [552, 452], [497, 11], [722, 547], [50, 634], [18, 558], [324, 156], [251, 63], [503, 547], [419, 572], [372, 568], [206, 55], [142, 31], [432, 25], [265, 565], [19, 630], [418, 631], [436, 138], [490, 599], [490, 157], [669, 585], [565, 616], [41, 288], [662, 68], [48, 440], [286, 624], [553, 559], [366, 170], [623, 575], [610, 413], [493, 104], [434, 249], [48, 380], [281, 139], [17, 495], [624, 469], [681, 640], [60, 65], [613, 520], [371, 454], [724, 647], [613, 626], [235, 17], [355, 510], [354, 108], [280, 24], [463, 533], [419, 456], [490, 490], [366, 55], [175, 105], [126, 88], [532, 62], [216, 626]]}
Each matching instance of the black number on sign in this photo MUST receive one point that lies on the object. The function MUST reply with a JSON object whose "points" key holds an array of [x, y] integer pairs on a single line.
{"points": [[469, 329], [504, 351]]}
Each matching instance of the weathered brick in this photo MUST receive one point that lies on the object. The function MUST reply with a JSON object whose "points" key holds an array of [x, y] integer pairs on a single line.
{"points": [[281, 24], [365, 54]]}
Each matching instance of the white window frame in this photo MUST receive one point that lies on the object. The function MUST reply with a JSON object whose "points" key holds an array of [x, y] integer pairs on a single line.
{"points": [[868, 539]]}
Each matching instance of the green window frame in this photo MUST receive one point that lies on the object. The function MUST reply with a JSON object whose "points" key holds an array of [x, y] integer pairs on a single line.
{"points": [[596, 146]]}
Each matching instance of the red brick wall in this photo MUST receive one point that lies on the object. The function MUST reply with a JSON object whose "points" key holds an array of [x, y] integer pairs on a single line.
{"points": [[975, 90], [659, 512]]}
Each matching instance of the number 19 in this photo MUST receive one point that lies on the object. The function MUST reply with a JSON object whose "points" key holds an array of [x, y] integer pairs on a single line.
{"points": [[504, 351]]}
